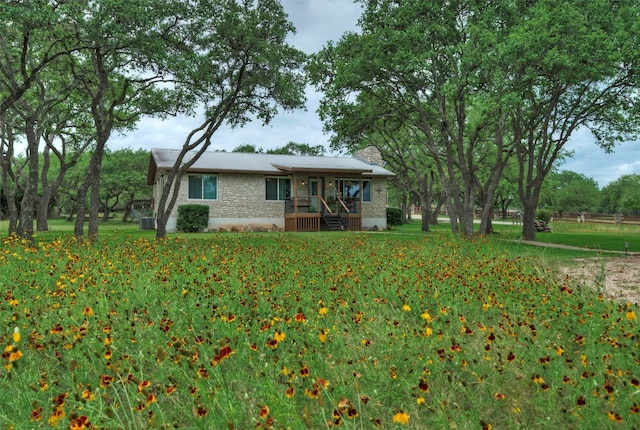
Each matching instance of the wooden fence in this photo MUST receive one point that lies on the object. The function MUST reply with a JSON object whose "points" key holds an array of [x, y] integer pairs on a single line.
{"points": [[616, 219]]}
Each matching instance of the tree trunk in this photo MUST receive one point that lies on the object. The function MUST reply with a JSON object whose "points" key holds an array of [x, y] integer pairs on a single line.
{"points": [[106, 214], [463, 203], [406, 210], [81, 211], [426, 218], [161, 230], [49, 190], [92, 184], [42, 212], [529, 196], [10, 195], [433, 215], [72, 210], [28, 204], [129, 207], [440, 201], [528, 220], [8, 178], [12, 208], [95, 167], [486, 225], [451, 195], [167, 201]]}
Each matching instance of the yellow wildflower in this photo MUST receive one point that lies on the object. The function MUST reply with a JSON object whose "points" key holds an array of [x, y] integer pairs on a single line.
{"points": [[401, 417]]}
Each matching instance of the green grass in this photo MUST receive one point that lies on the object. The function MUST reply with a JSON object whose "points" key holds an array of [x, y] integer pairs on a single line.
{"points": [[594, 236], [601, 237], [598, 237], [399, 329], [62, 228]]}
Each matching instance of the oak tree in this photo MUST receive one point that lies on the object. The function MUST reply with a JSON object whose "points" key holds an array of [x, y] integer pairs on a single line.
{"points": [[234, 61]]}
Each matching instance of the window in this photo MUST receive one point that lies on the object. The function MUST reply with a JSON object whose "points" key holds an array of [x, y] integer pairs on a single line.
{"points": [[351, 189], [366, 190], [203, 187], [278, 188]]}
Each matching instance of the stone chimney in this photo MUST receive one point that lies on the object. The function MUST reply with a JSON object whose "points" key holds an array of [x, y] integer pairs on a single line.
{"points": [[371, 155]]}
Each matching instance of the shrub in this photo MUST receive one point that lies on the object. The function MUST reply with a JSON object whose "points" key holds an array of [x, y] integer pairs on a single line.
{"points": [[394, 216], [192, 218], [543, 215]]}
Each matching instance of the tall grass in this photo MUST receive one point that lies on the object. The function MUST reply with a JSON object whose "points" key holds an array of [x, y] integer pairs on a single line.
{"points": [[306, 331]]}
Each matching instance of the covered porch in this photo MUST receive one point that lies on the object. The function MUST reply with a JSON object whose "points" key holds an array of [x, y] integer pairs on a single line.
{"points": [[326, 201]]}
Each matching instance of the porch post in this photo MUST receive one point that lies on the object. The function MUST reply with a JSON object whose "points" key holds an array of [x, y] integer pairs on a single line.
{"points": [[294, 185]]}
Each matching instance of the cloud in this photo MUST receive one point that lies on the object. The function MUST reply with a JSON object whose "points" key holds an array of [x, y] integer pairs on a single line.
{"points": [[318, 21], [593, 162]]}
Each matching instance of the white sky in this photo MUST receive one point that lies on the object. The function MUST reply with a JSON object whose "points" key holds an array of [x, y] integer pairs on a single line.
{"points": [[318, 21]]}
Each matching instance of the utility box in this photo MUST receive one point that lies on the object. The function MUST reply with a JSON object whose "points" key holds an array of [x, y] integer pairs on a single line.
{"points": [[147, 223]]}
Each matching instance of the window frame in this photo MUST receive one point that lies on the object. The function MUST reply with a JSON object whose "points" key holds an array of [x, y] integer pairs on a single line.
{"points": [[203, 190], [361, 186], [281, 194]]}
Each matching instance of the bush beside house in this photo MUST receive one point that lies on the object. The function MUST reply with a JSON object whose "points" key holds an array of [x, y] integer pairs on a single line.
{"points": [[192, 218], [394, 216]]}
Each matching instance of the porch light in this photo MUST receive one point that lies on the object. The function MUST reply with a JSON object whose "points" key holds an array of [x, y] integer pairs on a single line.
{"points": [[302, 182], [330, 183]]}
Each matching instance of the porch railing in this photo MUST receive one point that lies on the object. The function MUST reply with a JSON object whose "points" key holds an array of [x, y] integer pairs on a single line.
{"points": [[340, 214], [349, 205], [298, 205], [304, 206]]}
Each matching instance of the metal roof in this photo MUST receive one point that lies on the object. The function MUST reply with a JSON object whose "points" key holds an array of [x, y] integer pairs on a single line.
{"points": [[267, 164]]}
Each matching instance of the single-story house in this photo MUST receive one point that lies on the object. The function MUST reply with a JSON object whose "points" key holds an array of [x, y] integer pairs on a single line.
{"points": [[287, 192]]}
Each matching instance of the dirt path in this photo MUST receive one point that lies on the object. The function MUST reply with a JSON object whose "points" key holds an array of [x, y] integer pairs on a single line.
{"points": [[619, 277], [618, 274]]}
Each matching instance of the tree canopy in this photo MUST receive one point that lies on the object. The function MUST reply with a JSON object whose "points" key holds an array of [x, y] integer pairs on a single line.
{"points": [[113, 62], [478, 83], [236, 62]]}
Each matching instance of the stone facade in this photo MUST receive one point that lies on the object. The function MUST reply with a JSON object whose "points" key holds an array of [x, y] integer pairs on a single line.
{"points": [[241, 202], [374, 213]]}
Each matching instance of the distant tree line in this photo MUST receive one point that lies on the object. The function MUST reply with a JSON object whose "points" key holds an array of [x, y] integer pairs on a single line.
{"points": [[123, 187], [574, 193], [291, 148]]}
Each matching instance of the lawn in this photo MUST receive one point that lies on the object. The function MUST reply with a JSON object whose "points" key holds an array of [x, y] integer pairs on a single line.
{"points": [[399, 329], [594, 236]]}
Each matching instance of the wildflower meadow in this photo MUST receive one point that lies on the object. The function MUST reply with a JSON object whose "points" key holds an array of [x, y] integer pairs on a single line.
{"points": [[287, 331]]}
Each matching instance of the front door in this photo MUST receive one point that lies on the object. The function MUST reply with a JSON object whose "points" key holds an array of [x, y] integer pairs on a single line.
{"points": [[330, 193], [313, 193]]}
